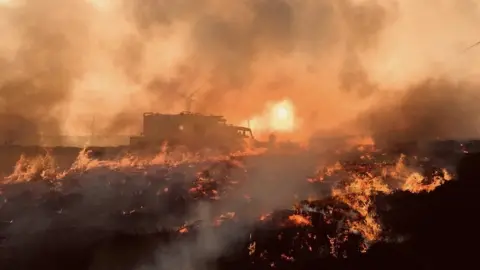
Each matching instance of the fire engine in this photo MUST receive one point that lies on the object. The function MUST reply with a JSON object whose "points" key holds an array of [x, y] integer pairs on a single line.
{"points": [[192, 130]]}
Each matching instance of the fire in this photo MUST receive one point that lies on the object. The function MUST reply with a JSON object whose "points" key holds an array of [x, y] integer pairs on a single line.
{"points": [[282, 116], [300, 220], [361, 141], [278, 117], [352, 210], [265, 217], [101, 4]]}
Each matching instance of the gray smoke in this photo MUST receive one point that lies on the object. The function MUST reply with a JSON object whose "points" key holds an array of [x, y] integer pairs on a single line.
{"points": [[38, 78], [432, 109], [230, 45]]}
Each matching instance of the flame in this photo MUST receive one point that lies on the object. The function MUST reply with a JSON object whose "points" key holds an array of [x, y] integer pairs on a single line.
{"points": [[350, 187], [300, 220], [101, 4], [264, 217], [277, 117], [361, 141]]}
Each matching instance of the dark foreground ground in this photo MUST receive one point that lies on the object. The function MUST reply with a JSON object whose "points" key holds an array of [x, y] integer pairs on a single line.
{"points": [[435, 230]]}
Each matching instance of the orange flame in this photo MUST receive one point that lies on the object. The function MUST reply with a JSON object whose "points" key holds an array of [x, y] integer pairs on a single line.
{"points": [[300, 220], [278, 117]]}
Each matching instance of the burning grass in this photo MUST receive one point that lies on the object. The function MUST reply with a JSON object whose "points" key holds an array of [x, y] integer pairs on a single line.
{"points": [[244, 203]]}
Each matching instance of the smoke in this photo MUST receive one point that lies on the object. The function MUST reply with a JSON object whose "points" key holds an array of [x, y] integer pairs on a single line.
{"points": [[114, 60], [39, 72], [147, 197], [265, 50], [267, 174], [392, 67], [420, 81], [429, 110], [236, 57]]}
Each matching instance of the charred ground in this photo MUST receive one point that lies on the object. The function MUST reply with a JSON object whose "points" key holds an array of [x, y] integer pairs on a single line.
{"points": [[100, 216]]}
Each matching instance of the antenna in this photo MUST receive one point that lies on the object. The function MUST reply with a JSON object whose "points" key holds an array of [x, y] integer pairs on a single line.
{"points": [[92, 128], [189, 100], [189, 97]]}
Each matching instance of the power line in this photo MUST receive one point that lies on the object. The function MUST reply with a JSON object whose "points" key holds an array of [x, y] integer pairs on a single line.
{"points": [[472, 46]]}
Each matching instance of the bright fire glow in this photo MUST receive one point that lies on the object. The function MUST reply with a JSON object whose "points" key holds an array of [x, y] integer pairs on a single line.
{"points": [[101, 4], [282, 116], [278, 117]]}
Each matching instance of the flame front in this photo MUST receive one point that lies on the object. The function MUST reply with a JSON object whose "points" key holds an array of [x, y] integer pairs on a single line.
{"points": [[277, 117], [316, 224]]}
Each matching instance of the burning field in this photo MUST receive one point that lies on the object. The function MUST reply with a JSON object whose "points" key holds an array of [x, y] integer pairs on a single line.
{"points": [[257, 211], [358, 117]]}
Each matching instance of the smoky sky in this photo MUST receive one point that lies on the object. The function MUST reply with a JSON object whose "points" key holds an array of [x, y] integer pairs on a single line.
{"points": [[330, 58], [436, 108], [37, 79], [228, 45]]}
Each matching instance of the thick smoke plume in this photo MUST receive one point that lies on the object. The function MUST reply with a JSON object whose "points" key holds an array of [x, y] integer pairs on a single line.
{"points": [[44, 42], [395, 69], [432, 109], [70, 68], [226, 56], [60, 59]]}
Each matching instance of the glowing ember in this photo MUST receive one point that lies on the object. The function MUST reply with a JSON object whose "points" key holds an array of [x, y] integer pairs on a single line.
{"points": [[339, 209], [264, 217], [299, 220]]}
